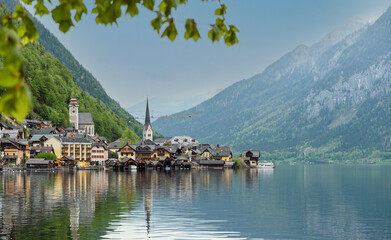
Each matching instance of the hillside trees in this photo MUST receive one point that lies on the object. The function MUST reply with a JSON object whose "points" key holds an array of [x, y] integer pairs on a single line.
{"points": [[19, 29]]}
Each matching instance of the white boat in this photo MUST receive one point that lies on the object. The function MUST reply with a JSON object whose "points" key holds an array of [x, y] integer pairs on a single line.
{"points": [[266, 165]]}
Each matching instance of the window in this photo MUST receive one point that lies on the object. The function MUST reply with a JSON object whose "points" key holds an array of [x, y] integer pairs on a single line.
{"points": [[149, 135]]}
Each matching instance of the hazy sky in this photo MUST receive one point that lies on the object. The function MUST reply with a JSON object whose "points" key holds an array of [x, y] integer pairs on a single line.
{"points": [[132, 62]]}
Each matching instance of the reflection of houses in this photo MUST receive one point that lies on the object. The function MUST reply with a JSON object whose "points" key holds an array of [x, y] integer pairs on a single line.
{"points": [[251, 157]]}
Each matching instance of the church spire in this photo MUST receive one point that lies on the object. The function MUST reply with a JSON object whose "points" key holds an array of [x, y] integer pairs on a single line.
{"points": [[147, 132], [147, 118]]}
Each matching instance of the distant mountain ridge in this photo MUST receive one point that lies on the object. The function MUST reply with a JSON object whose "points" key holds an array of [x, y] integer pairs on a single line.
{"points": [[332, 96]]}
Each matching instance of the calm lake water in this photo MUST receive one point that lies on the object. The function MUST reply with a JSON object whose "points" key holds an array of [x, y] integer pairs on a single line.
{"points": [[290, 202]]}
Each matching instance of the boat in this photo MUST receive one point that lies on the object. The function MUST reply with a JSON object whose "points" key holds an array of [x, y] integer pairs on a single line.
{"points": [[266, 165]]}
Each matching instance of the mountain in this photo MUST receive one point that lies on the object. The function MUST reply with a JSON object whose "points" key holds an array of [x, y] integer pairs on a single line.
{"points": [[81, 76], [332, 96]]}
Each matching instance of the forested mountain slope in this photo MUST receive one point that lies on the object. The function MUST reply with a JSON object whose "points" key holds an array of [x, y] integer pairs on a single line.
{"points": [[81, 76], [332, 96]]}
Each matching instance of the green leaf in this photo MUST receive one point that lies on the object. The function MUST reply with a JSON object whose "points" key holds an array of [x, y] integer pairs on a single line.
{"points": [[62, 15], [170, 31], [40, 8], [157, 22], [166, 5], [215, 33], [16, 102], [149, 4], [230, 37], [221, 11], [7, 79], [191, 30], [132, 7]]}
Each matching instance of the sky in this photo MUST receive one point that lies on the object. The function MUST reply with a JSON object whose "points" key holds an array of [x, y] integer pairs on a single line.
{"points": [[132, 62]]}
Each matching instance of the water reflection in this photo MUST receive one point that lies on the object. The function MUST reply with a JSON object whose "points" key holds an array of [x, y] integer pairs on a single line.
{"points": [[301, 202]]}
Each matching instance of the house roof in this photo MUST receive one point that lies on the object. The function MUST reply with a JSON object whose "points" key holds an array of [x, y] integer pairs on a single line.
{"points": [[40, 161], [161, 141], [222, 151], [116, 144], [74, 140], [37, 137], [212, 162], [48, 130], [42, 149], [85, 119], [255, 153], [11, 133], [68, 158]]}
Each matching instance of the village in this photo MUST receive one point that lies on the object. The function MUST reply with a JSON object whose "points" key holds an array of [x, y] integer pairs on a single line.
{"points": [[27, 145]]}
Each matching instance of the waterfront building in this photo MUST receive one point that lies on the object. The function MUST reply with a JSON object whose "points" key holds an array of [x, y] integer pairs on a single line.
{"points": [[82, 122], [55, 143], [160, 152], [184, 141], [127, 151], [251, 157], [37, 150], [77, 148], [116, 145], [99, 153], [15, 151], [147, 131]]}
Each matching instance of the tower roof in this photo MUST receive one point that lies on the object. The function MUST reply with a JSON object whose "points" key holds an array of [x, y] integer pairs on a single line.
{"points": [[147, 117], [73, 102]]}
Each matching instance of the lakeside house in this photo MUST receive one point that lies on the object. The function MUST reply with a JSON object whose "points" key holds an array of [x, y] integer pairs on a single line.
{"points": [[39, 163], [14, 151], [251, 157]]}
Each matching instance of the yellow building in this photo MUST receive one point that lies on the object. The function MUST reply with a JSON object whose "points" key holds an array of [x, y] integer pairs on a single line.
{"points": [[55, 143], [77, 148], [218, 153]]}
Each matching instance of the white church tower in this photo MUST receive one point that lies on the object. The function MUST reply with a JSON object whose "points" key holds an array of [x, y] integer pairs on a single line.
{"points": [[74, 113], [147, 131]]}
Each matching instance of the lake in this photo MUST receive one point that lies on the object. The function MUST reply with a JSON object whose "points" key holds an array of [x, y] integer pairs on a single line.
{"points": [[290, 202]]}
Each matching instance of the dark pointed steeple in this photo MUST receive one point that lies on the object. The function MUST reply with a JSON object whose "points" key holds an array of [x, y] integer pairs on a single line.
{"points": [[147, 132], [147, 117]]}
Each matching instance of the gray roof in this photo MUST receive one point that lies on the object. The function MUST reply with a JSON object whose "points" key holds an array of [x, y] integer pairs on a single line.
{"points": [[11, 133], [116, 144], [255, 153], [36, 137], [212, 162], [77, 135], [38, 161], [74, 140], [48, 130], [85, 119]]}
